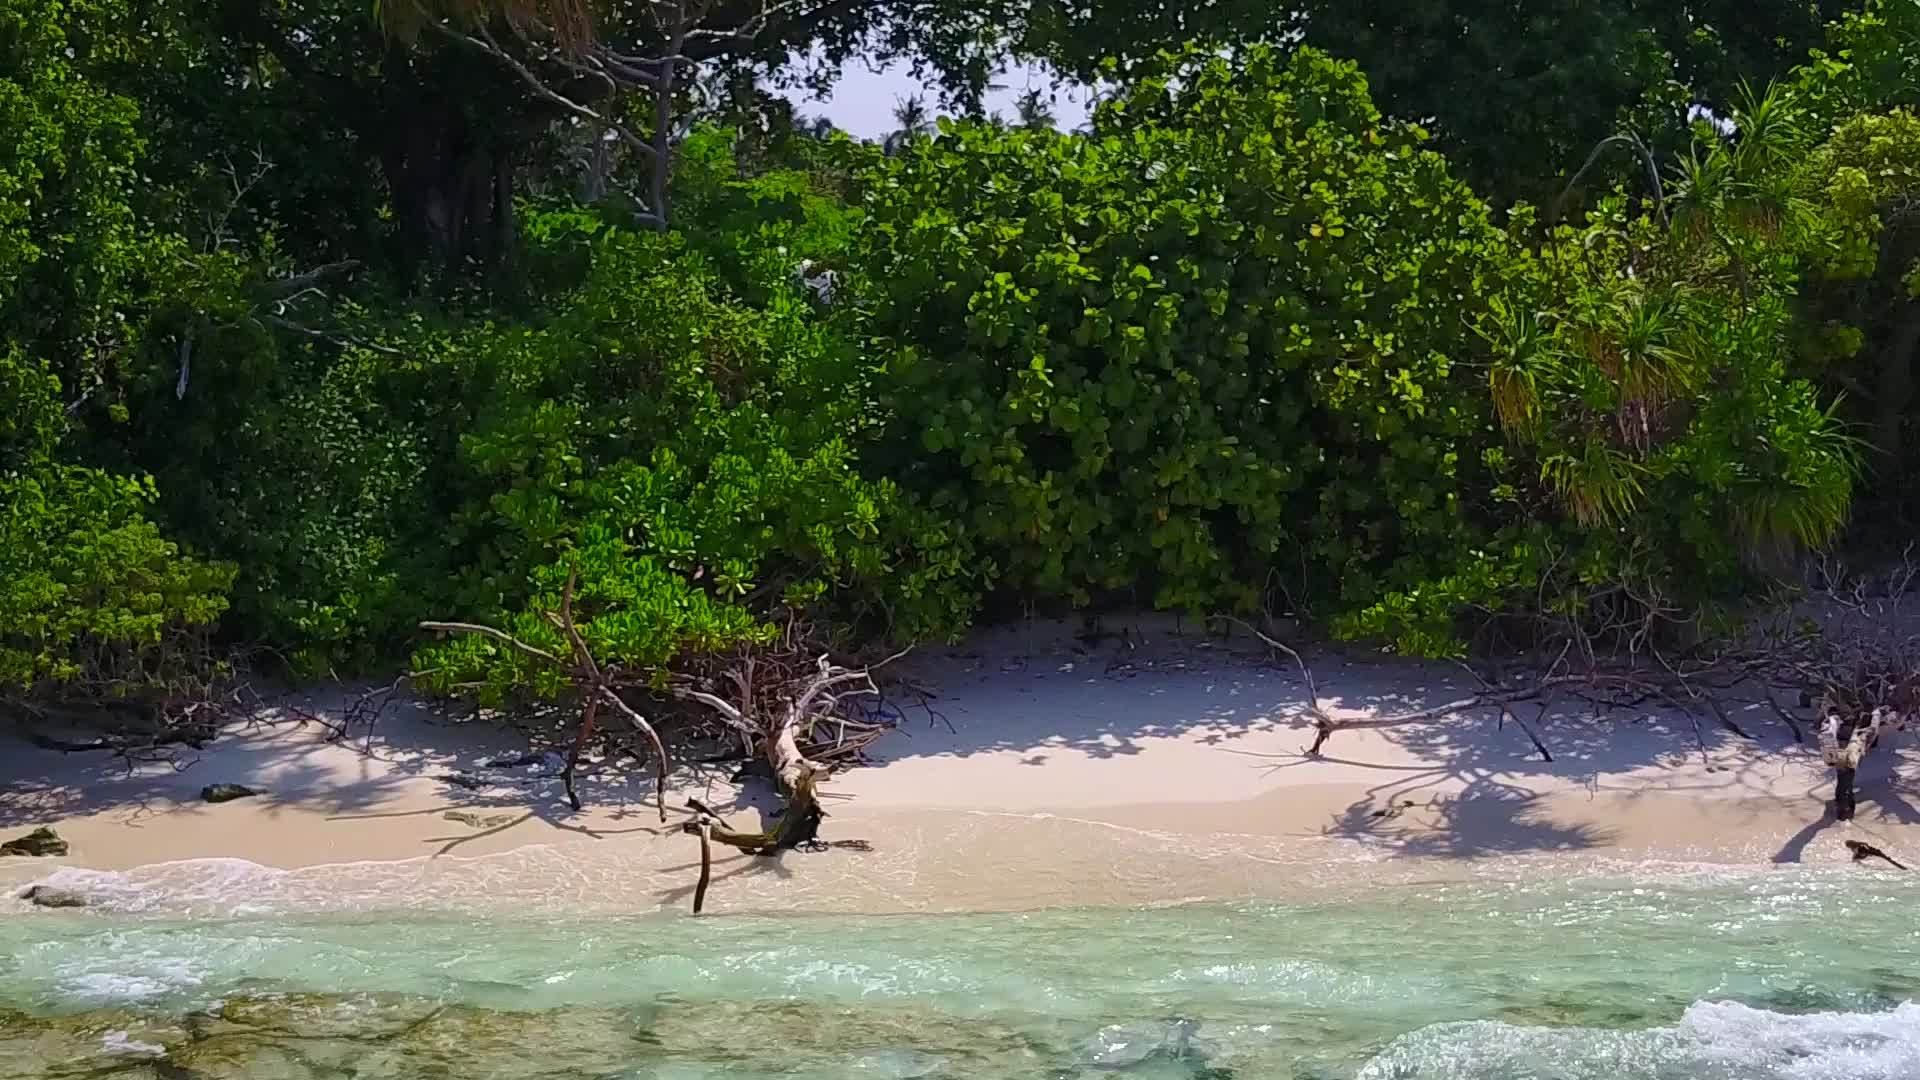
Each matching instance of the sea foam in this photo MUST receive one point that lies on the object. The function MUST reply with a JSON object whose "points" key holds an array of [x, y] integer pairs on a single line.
{"points": [[1720, 1040]]}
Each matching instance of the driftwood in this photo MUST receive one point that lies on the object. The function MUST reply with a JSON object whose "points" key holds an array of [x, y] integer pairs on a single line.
{"points": [[163, 726], [780, 703], [783, 710], [706, 867]]}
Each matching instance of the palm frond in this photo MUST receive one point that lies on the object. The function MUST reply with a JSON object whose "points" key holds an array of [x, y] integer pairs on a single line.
{"points": [[1523, 353], [1600, 485]]}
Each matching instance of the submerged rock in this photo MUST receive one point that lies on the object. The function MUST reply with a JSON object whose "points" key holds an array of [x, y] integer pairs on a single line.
{"points": [[1130, 1047], [899, 1064], [48, 896], [219, 793], [41, 841]]}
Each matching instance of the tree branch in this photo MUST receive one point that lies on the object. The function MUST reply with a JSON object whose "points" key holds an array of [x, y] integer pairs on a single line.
{"points": [[500, 636]]}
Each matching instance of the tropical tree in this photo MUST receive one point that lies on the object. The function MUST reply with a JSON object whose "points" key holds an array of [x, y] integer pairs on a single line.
{"points": [[912, 121], [1516, 94], [1033, 110], [1205, 358]]}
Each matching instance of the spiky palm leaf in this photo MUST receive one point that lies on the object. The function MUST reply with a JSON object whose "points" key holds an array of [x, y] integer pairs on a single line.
{"points": [[1523, 356], [1034, 110], [1809, 504], [1600, 484], [913, 120]]}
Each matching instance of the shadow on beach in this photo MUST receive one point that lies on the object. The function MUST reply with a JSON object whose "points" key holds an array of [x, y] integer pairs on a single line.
{"points": [[1153, 717]]}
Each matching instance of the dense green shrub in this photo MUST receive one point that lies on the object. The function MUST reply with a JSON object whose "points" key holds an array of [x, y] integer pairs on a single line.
{"points": [[674, 414], [93, 599], [1648, 368], [1213, 352], [1246, 345], [693, 458]]}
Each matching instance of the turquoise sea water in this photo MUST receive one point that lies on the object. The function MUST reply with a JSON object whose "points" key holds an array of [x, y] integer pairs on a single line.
{"points": [[1675, 974]]}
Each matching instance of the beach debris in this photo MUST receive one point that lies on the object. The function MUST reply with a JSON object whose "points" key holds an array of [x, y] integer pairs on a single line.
{"points": [[1393, 809], [1862, 851], [219, 793], [782, 701], [49, 897], [40, 842], [703, 828], [1846, 739], [1857, 664], [478, 821]]}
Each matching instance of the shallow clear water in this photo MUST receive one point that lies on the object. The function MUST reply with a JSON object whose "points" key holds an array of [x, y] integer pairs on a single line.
{"points": [[1790, 973]]}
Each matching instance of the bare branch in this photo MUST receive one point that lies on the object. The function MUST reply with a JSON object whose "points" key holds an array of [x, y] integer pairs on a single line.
{"points": [[659, 750], [717, 704], [287, 286], [500, 636]]}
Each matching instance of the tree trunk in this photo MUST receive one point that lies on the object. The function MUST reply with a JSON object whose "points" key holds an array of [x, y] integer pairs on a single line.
{"points": [[1843, 798], [797, 780], [1893, 391], [795, 776], [449, 177], [1845, 744]]}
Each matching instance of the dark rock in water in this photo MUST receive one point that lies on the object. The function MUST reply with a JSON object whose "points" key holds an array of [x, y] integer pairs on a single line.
{"points": [[1130, 1048], [219, 793], [46, 896], [41, 841]]}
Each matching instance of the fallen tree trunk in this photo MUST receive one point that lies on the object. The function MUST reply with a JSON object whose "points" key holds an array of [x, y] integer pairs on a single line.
{"points": [[1845, 743], [795, 776]]}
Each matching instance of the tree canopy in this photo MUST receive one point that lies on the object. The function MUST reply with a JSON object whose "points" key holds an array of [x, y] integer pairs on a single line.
{"points": [[319, 320]]}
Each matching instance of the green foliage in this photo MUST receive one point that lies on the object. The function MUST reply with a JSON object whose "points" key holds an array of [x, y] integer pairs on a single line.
{"points": [[1211, 352], [94, 600], [1651, 371], [1518, 94], [90, 592], [1248, 343], [1871, 61], [68, 151], [693, 459]]}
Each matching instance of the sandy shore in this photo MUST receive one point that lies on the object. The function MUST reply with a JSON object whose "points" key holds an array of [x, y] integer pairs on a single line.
{"points": [[1043, 773]]}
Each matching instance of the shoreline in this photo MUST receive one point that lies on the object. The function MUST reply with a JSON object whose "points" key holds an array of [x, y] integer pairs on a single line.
{"points": [[1039, 777]]}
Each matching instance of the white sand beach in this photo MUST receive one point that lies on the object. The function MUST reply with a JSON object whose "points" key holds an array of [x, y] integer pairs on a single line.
{"points": [[1041, 773]]}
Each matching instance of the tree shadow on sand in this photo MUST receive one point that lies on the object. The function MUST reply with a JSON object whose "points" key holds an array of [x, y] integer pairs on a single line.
{"points": [[1475, 782], [299, 765], [1465, 786]]}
